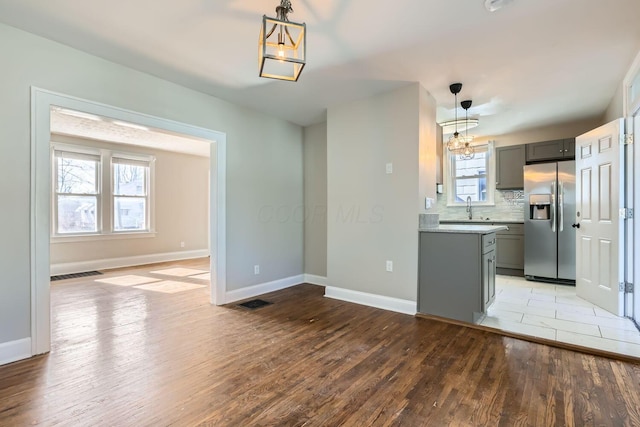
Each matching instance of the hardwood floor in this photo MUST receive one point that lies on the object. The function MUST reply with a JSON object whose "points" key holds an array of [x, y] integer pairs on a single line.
{"points": [[127, 356]]}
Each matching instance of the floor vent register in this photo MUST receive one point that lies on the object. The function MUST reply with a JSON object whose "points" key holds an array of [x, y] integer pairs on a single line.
{"points": [[254, 303], [75, 275]]}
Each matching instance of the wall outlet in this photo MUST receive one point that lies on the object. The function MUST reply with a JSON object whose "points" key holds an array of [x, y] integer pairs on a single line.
{"points": [[182, 244], [389, 265], [256, 269], [389, 168]]}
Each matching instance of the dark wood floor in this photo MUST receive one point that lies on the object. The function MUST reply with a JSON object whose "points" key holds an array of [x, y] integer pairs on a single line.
{"points": [[128, 357]]}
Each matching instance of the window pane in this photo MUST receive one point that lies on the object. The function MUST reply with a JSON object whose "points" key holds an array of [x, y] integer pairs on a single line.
{"points": [[129, 180], [476, 188], [473, 167], [129, 213], [77, 176], [77, 214]]}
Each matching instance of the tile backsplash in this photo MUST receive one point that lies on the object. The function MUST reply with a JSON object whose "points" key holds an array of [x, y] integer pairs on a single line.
{"points": [[509, 206]]}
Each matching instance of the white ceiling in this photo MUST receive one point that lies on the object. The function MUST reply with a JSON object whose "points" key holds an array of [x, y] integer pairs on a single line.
{"points": [[532, 63], [107, 129]]}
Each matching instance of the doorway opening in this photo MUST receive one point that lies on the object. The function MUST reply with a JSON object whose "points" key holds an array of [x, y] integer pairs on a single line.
{"points": [[141, 220]]}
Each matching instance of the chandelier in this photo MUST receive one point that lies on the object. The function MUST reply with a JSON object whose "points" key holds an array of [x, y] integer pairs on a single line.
{"points": [[282, 45]]}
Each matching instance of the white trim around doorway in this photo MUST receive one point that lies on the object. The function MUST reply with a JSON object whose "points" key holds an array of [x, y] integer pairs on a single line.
{"points": [[41, 102]]}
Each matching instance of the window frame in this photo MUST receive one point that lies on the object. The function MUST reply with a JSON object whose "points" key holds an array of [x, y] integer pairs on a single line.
{"points": [[449, 170], [55, 194], [105, 195], [148, 162]]}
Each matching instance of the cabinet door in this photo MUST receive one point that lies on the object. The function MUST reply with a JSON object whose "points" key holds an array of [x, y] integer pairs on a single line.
{"points": [[488, 279], [487, 269], [509, 167], [492, 280], [510, 251], [547, 150], [570, 148]]}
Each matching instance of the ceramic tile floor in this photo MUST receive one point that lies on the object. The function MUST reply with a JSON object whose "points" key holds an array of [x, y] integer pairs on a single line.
{"points": [[555, 312]]}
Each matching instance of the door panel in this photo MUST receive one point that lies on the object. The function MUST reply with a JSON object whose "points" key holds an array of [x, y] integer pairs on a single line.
{"points": [[600, 260], [540, 240], [566, 218]]}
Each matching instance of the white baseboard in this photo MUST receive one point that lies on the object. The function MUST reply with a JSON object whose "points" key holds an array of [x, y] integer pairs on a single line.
{"points": [[315, 280], [13, 351], [262, 288], [372, 300], [101, 264]]}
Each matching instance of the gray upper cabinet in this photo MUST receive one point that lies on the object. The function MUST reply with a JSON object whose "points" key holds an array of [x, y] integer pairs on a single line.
{"points": [[509, 167], [558, 149]]}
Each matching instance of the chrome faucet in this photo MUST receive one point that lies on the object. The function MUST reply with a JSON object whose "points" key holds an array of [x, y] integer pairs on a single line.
{"points": [[469, 207]]}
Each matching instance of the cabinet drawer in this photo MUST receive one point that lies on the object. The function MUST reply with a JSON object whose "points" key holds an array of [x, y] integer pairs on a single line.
{"points": [[513, 229], [488, 242]]}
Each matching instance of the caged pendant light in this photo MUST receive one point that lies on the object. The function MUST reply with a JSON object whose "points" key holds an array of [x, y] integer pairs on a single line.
{"points": [[455, 143], [282, 45], [467, 152]]}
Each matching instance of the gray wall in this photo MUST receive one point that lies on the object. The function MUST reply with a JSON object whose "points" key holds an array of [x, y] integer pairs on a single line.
{"points": [[180, 204], [544, 133], [264, 162], [315, 199], [372, 215]]}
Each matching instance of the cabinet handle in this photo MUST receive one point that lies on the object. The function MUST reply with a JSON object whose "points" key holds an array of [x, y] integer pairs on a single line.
{"points": [[561, 151]]}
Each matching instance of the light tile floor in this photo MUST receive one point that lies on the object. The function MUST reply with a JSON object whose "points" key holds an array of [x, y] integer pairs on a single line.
{"points": [[555, 312]]}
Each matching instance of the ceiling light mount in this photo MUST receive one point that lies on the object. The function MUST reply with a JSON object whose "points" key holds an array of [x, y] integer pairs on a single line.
{"points": [[493, 5], [282, 46]]}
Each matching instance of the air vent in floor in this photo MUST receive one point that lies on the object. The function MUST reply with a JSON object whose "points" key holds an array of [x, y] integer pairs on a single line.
{"points": [[75, 275], [254, 303]]}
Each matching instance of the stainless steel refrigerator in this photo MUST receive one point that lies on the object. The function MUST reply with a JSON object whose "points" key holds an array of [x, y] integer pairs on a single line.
{"points": [[549, 213]]}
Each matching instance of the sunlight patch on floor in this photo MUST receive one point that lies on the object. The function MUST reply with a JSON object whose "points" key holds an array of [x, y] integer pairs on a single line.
{"points": [[169, 286], [128, 280]]}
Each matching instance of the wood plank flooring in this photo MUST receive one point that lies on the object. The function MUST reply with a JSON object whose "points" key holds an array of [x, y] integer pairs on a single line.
{"points": [[124, 356]]}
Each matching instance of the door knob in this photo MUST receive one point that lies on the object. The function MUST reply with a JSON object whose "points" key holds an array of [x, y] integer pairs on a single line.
{"points": [[575, 225]]}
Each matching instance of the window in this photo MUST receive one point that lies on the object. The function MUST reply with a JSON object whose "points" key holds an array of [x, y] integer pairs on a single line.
{"points": [[130, 194], [98, 192], [472, 178], [77, 192]]}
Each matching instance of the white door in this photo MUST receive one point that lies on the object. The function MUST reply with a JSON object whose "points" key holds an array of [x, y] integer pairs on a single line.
{"points": [[600, 236], [636, 244]]}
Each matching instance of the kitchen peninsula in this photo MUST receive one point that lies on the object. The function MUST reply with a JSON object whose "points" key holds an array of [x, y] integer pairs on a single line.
{"points": [[457, 268]]}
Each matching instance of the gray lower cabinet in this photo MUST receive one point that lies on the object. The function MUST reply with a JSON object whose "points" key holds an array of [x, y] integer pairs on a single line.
{"points": [[510, 162], [510, 248], [488, 279], [456, 274]]}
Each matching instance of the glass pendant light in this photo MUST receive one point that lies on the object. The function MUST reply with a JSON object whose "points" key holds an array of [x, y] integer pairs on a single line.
{"points": [[467, 152], [455, 143]]}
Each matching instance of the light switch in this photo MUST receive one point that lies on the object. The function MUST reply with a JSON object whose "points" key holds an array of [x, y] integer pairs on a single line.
{"points": [[389, 167]]}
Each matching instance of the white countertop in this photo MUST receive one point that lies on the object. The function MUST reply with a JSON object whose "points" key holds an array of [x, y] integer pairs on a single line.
{"points": [[464, 228]]}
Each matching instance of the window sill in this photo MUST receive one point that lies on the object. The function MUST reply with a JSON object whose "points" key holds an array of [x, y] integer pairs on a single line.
{"points": [[473, 205], [74, 238]]}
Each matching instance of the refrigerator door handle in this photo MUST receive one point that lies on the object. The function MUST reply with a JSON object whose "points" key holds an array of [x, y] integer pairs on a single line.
{"points": [[553, 206], [561, 206]]}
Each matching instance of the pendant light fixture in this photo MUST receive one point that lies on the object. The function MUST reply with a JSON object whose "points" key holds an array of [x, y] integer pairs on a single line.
{"points": [[467, 152], [282, 45], [455, 143]]}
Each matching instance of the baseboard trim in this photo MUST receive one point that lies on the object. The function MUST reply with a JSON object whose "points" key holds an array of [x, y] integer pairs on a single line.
{"points": [[372, 300], [263, 288], [315, 280], [102, 264], [13, 351]]}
